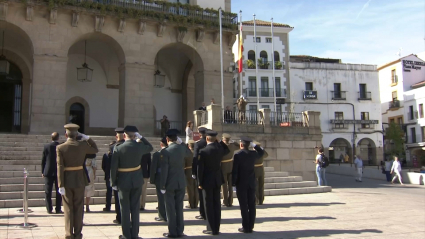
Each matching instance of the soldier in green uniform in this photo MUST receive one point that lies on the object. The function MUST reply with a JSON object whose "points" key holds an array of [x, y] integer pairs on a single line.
{"points": [[127, 177], [191, 187], [226, 168], [155, 178], [259, 177], [173, 182]]}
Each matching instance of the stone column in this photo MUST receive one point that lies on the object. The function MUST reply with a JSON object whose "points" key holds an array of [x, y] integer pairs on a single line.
{"points": [[48, 95], [266, 120], [138, 97], [197, 114]]}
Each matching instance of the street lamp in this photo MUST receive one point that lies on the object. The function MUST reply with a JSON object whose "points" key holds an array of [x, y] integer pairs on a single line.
{"points": [[4, 63], [84, 73], [159, 78]]}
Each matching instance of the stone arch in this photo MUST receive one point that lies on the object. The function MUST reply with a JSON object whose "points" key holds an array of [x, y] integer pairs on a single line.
{"points": [[337, 147], [82, 101], [276, 56], [264, 56], [17, 40], [251, 55], [366, 149]]}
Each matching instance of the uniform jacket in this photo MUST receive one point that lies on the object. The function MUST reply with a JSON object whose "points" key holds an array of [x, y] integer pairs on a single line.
{"points": [[172, 167], [188, 161], [209, 165], [259, 171], [128, 155], [49, 164], [72, 153], [106, 161], [198, 146], [155, 173], [243, 167], [146, 165]]}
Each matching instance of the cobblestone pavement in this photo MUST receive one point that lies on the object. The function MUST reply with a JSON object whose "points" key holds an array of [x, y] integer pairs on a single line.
{"points": [[371, 209]]}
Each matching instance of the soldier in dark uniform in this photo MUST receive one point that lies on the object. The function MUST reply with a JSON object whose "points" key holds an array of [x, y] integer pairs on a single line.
{"points": [[200, 144], [243, 177], [210, 179], [173, 182], [146, 168], [127, 177], [259, 177], [120, 140], [226, 168], [155, 178], [106, 167], [191, 187]]}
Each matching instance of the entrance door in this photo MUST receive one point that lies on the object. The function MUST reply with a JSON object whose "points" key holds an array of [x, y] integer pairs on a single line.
{"points": [[6, 107], [76, 115]]}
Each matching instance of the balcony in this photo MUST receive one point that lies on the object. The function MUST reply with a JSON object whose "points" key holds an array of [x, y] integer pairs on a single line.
{"points": [[264, 65], [393, 105], [363, 95], [340, 126], [339, 95], [310, 94], [265, 92]]}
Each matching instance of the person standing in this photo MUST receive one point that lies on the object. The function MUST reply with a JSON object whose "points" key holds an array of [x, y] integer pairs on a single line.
{"points": [[155, 178], [396, 168], [49, 173], [243, 177], [388, 166], [191, 187], [119, 135], [91, 171], [72, 178], [241, 103], [146, 166], [320, 171], [358, 164], [203, 107], [259, 177], [228, 115], [200, 144], [106, 167], [173, 182], [189, 131], [126, 175], [226, 168], [165, 125]]}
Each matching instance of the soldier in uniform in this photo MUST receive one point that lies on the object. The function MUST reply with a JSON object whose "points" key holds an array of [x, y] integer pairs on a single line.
{"points": [[243, 177], [226, 168], [191, 187], [72, 178], [200, 144], [146, 168], [259, 177], [127, 178], [155, 178], [173, 182], [120, 140]]}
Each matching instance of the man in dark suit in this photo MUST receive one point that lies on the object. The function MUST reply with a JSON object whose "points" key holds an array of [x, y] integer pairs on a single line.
{"points": [[49, 173], [173, 182], [210, 179], [191, 186], [155, 178], [119, 135], [198, 146], [106, 167], [243, 177], [126, 176], [203, 107], [146, 167]]}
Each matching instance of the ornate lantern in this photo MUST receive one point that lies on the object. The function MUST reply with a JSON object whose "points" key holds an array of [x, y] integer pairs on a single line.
{"points": [[84, 73]]}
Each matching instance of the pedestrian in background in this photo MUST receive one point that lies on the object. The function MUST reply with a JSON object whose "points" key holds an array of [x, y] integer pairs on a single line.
{"points": [[106, 167], [320, 171], [165, 125], [396, 168], [388, 166], [358, 164], [146, 167], [189, 131]]}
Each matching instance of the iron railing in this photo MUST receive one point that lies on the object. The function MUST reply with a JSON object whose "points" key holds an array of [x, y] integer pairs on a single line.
{"points": [[394, 104], [264, 92], [339, 95], [286, 119], [250, 117], [173, 125], [363, 95]]}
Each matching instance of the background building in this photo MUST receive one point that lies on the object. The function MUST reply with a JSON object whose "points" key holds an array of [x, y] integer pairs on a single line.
{"points": [[402, 87], [347, 95]]}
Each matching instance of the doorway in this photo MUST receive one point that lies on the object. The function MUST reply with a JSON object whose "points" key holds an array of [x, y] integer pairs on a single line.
{"points": [[76, 115], [11, 100]]}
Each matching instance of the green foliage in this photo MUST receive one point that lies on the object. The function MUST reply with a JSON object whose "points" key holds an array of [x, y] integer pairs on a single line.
{"points": [[278, 65], [250, 64], [262, 64], [394, 134]]}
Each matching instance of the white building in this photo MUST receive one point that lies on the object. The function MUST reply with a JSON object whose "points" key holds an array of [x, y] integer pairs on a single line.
{"points": [[260, 56], [347, 95], [403, 97]]}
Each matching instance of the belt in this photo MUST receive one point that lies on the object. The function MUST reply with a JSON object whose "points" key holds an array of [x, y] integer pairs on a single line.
{"points": [[188, 167], [258, 165], [226, 161], [73, 168], [127, 170]]}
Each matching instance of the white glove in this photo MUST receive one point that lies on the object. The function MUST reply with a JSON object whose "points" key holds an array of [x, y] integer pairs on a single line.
{"points": [[83, 136], [138, 135], [179, 140], [193, 176], [252, 145], [115, 188], [163, 191], [62, 191]]}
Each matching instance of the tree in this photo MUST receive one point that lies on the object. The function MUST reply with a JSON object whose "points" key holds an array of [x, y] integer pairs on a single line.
{"points": [[395, 135]]}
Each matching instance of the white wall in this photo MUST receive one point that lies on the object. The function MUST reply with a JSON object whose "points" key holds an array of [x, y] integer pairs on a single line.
{"points": [[216, 4], [167, 103], [103, 102]]}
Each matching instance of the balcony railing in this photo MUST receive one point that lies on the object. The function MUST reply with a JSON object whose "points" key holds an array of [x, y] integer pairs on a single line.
{"points": [[340, 126], [395, 104], [339, 95], [265, 92], [363, 95], [286, 119], [264, 65]]}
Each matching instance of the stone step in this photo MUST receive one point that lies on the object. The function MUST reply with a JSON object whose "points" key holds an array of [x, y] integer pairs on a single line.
{"points": [[301, 184], [283, 179], [292, 191]]}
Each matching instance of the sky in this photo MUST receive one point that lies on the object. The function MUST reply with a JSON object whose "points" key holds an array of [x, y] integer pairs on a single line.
{"points": [[355, 31]]}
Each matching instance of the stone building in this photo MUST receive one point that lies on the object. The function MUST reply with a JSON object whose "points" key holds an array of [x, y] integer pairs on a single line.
{"points": [[125, 44]]}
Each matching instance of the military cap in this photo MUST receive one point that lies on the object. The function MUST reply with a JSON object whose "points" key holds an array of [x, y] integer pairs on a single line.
{"points": [[226, 136], [164, 141], [256, 143], [211, 133], [71, 126], [246, 139], [119, 130], [202, 130], [131, 129], [172, 132]]}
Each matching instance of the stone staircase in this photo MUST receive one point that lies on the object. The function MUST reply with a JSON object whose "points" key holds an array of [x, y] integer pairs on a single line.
{"points": [[19, 151]]}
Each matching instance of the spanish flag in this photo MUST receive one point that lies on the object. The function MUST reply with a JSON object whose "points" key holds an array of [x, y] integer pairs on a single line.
{"points": [[240, 48]]}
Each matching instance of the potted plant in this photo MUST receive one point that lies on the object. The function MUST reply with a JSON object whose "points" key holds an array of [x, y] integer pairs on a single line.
{"points": [[278, 65], [250, 64], [263, 64]]}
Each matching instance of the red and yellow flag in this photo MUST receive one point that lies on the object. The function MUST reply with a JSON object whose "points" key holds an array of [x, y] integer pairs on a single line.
{"points": [[240, 50]]}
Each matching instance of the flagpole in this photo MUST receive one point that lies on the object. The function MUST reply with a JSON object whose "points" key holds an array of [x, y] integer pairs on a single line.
{"points": [[240, 42], [273, 63], [256, 65], [221, 59]]}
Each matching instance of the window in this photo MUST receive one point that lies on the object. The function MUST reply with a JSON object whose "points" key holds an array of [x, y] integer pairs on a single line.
{"points": [[362, 88], [339, 116], [394, 79], [264, 56], [394, 95], [392, 121], [365, 116], [276, 56], [413, 133], [265, 87], [253, 108], [337, 91], [251, 55], [258, 39], [277, 86], [400, 120], [309, 86], [421, 110], [423, 133], [279, 109], [265, 106], [252, 87], [268, 39], [411, 112]]}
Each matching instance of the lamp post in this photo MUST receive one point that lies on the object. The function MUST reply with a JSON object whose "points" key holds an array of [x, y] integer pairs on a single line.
{"points": [[84, 73]]}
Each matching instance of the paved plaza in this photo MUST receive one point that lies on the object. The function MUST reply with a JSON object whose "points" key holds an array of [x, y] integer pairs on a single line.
{"points": [[371, 209]]}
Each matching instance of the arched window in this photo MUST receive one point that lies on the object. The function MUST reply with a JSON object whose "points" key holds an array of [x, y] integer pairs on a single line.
{"points": [[263, 56], [251, 55], [276, 56]]}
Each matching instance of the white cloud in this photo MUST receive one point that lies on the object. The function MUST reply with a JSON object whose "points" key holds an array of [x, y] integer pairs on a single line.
{"points": [[363, 8]]}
